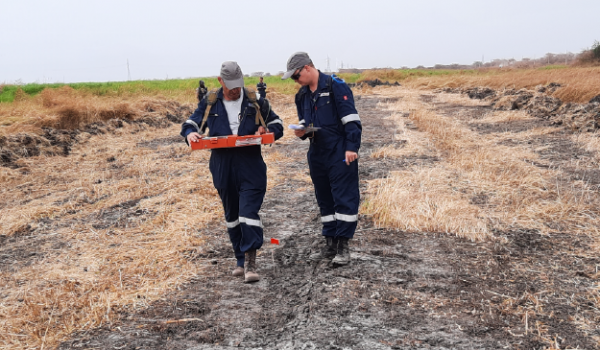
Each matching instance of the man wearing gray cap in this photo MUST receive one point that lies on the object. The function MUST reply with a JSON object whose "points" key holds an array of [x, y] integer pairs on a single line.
{"points": [[239, 173], [325, 107]]}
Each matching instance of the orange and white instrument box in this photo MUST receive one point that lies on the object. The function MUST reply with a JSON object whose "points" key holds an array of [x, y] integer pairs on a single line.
{"points": [[233, 141]]}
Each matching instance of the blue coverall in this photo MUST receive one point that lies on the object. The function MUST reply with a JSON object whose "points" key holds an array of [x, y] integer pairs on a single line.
{"points": [[239, 174], [262, 89], [331, 108]]}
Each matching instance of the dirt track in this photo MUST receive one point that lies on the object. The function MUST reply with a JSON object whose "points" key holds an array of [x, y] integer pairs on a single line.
{"points": [[402, 291]]}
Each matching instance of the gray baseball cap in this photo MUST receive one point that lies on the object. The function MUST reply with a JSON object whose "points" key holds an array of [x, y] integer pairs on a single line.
{"points": [[232, 76], [297, 60]]}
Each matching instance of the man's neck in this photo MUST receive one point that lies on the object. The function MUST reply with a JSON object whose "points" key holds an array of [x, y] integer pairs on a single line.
{"points": [[315, 82]]}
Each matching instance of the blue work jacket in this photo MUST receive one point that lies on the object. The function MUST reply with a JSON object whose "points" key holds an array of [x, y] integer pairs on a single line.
{"points": [[331, 108], [218, 121]]}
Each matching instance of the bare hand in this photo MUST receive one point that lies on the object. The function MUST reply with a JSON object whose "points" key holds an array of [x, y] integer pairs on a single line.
{"points": [[350, 157], [193, 137], [300, 133], [261, 130]]}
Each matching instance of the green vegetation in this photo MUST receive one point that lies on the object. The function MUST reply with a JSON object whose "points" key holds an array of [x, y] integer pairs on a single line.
{"points": [[150, 87], [178, 87], [555, 66]]}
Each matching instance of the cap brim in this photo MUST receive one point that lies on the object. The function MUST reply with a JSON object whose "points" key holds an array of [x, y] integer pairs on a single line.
{"points": [[288, 74], [235, 83]]}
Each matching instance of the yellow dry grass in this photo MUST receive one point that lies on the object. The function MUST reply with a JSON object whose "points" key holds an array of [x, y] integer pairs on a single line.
{"points": [[579, 84], [85, 270], [443, 197]]}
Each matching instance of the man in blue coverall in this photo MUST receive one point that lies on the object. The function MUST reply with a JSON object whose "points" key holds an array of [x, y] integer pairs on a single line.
{"points": [[239, 173], [327, 103], [262, 88]]}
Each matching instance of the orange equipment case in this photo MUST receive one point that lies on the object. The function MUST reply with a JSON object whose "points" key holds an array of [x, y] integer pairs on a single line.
{"points": [[232, 141]]}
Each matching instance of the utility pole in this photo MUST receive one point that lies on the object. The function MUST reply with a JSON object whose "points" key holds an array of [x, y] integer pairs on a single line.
{"points": [[128, 72]]}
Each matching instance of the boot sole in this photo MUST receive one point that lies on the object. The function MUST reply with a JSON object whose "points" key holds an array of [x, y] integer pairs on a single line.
{"points": [[340, 262], [321, 258]]}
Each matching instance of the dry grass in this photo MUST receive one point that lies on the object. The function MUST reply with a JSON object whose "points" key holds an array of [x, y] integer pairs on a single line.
{"points": [[66, 108], [478, 185], [589, 142], [578, 84], [98, 254]]}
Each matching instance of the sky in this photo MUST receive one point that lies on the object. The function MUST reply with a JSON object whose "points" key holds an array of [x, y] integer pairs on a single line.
{"points": [[118, 40]]}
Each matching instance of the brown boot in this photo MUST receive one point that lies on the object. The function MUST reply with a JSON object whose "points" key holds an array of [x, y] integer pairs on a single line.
{"points": [[238, 271], [251, 275]]}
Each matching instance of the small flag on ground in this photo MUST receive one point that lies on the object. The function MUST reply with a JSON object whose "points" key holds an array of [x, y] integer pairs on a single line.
{"points": [[274, 241]]}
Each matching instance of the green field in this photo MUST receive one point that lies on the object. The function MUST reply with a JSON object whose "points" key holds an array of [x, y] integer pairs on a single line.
{"points": [[173, 87], [165, 87]]}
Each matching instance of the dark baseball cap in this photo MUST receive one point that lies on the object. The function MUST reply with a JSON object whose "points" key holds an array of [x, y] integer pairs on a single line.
{"points": [[232, 76], [297, 60]]}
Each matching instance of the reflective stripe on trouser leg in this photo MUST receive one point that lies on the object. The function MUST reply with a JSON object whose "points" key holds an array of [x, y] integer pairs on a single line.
{"points": [[252, 231], [235, 236], [329, 225], [345, 226], [240, 177], [324, 198], [346, 195], [230, 200], [336, 189]]}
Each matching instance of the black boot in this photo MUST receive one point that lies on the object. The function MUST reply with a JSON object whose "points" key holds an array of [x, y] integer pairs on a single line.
{"points": [[342, 256], [326, 251]]}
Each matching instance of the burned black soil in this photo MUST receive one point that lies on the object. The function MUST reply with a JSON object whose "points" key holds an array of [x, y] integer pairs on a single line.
{"points": [[53, 142], [519, 290]]}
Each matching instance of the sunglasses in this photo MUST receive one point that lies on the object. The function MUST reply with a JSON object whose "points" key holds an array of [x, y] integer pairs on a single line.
{"points": [[296, 75]]}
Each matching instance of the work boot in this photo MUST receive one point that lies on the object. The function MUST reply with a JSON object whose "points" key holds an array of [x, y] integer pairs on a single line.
{"points": [[251, 275], [238, 271], [326, 251], [342, 256]]}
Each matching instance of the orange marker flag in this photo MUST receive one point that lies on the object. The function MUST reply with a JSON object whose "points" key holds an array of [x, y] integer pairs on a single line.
{"points": [[274, 241]]}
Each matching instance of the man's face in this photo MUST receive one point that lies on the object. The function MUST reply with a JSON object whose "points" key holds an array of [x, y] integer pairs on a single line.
{"points": [[300, 76], [230, 95]]}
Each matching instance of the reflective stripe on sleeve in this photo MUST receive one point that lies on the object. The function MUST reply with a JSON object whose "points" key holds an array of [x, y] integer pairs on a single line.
{"points": [[251, 222], [350, 118], [232, 224], [193, 123], [328, 218], [347, 218], [276, 121]]}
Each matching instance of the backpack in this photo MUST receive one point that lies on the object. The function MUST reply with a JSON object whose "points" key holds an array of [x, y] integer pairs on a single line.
{"points": [[328, 86], [250, 93]]}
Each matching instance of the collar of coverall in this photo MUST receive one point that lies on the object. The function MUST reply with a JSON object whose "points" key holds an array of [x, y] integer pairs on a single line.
{"points": [[321, 85]]}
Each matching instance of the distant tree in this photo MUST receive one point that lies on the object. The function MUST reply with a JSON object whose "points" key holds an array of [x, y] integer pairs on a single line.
{"points": [[596, 50], [590, 56], [549, 58]]}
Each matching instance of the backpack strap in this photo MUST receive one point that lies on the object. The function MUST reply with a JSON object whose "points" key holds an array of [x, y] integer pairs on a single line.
{"points": [[251, 94], [211, 98]]}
